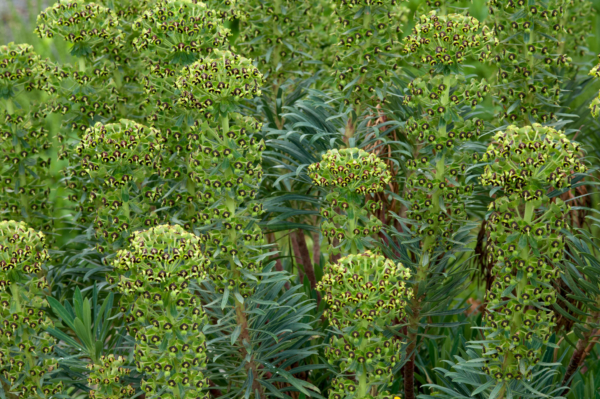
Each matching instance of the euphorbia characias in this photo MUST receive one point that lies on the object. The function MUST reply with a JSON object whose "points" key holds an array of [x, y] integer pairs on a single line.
{"points": [[350, 175], [23, 140], [437, 188], [106, 377], [163, 314], [366, 56], [531, 57], [226, 164], [26, 348], [364, 290], [365, 293], [117, 163], [526, 241]]}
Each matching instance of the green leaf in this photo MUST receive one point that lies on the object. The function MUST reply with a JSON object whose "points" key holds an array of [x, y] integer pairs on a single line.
{"points": [[61, 311]]}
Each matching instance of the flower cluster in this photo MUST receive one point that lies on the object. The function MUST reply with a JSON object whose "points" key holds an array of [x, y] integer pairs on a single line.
{"points": [[448, 39], [595, 104], [163, 315], [529, 82], [578, 27], [365, 292], [25, 346], [179, 31], [436, 190], [88, 26], [20, 70], [350, 175], [107, 378], [218, 83], [23, 140], [227, 171], [274, 34], [525, 242], [119, 165], [365, 55]]}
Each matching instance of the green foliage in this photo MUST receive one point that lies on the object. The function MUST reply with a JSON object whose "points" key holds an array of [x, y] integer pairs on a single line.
{"points": [[350, 174], [524, 244], [186, 160], [25, 351]]}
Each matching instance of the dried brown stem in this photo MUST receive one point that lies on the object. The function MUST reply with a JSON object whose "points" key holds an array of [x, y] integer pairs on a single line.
{"points": [[582, 350]]}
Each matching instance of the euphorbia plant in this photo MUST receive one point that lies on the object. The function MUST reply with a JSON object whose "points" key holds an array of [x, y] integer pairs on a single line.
{"points": [[531, 58], [226, 165], [164, 315], [24, 141], [350, 175], [26, 360], [437, 188], [364, 291], [527, 233]]}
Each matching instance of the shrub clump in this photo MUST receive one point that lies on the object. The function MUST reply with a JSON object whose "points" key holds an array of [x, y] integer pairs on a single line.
{"points": [[526, 241]]}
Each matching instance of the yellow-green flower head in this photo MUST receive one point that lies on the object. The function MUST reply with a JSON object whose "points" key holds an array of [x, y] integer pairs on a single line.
{"points": [[595, 105], [448, 39], [110, 148], [364, 287], [526, 160], [155, 274], [218, 81], [352, 170], [107, 375], [22, 250], [19, 69], [364, 3], [88, 26], [180, 31], [25, 346]]}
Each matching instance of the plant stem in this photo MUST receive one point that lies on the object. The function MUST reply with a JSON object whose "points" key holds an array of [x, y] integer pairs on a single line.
{"points": [[225, 123], [9, 106], [362, 384], [581, 351], [413, 328]]}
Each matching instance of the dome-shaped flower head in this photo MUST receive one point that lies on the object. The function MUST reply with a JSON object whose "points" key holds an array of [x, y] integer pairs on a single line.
{"points": [[349, 175], [218, 82], [116, 162], [25, 346], [350, 171], [180, 31], [108, 376], [365, 293], [155, 274], [22, 252], [364, 289], [91, 28], [531, 158], [448, 39], [20, 69]]}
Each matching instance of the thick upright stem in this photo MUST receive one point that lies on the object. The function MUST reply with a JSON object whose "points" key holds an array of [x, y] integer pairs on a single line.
{"points": [[413, 328], [581, 351], [225, 123], [242, 321], [362, 384]]}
